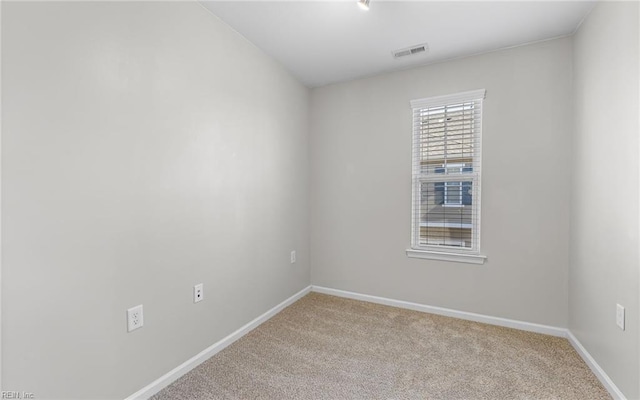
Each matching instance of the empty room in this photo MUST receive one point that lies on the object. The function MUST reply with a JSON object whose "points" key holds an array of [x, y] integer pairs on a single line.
{"points": [[359, 199]]}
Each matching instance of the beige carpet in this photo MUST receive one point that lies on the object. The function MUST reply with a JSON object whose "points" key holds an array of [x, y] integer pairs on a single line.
{"points": [[325, 347]]}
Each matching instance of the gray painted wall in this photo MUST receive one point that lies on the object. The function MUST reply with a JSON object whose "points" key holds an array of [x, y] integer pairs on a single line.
{"points": [[361, 185], [604, 220], [146, 148]]}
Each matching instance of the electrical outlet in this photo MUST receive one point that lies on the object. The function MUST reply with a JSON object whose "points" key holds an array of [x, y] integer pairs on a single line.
{"points": [[620, 316], [293, 256], [135, 318], [198, 292]]}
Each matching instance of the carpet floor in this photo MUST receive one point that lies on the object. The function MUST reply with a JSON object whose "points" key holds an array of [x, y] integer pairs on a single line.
{"points": [[326, 347]]}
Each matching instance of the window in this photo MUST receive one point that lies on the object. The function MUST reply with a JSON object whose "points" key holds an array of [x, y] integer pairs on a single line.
{"points": [[446, 177], [452, 192]]}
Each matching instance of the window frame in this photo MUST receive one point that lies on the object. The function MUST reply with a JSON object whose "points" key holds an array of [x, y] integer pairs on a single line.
{"points": [[448, 197], [459, 204], [447, 252]]}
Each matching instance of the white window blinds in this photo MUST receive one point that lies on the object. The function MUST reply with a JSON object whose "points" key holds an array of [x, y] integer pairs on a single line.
{"points": [[446, 172]]}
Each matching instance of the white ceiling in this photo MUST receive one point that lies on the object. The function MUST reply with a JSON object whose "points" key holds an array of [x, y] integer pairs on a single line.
{"points": [[323, 42]]}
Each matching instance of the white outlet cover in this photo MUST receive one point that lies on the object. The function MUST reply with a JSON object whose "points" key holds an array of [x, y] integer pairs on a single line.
{"points": [[620, 316], [135, 318], [198, 292], [293, 256]]}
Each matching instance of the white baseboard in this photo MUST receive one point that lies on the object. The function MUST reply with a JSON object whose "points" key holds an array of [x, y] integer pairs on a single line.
{"points": [[509, 323], [595, 368], [171, 376]]}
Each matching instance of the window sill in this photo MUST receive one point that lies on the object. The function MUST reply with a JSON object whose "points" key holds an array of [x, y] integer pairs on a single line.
{"points": [[454, 257]]}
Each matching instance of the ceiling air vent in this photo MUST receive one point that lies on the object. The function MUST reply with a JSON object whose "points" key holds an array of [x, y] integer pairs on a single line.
{"points": [[413, 50]]}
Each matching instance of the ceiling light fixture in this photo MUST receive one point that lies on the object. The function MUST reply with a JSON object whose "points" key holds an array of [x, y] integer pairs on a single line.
{"points": [[364, 4]]}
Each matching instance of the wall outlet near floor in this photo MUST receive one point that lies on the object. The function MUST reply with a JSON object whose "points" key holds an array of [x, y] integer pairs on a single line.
{"points": [[198, 292], [620, 316], [293, 256], [135, 318]]}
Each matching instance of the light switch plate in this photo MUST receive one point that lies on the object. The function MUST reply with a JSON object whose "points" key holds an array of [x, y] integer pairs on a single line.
{"points": [[620, 316]]}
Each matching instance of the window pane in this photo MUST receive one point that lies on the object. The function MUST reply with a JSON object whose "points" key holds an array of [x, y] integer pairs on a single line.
{"points": [[447, 132], [445, 218]]}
